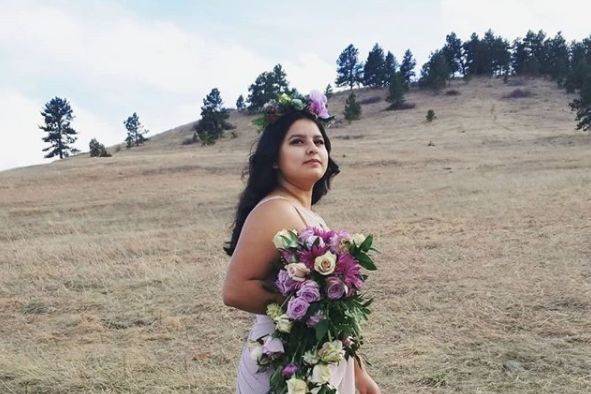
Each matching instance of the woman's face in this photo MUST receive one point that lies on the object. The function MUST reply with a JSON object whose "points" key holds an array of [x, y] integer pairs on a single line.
{"points": [[303, 158]]}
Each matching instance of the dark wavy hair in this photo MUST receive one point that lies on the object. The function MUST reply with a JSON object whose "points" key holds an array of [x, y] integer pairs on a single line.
{"points": [[262, 177]]}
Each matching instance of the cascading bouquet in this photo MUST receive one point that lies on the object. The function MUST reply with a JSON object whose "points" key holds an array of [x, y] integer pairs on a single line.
{"points": [[318, 325]]}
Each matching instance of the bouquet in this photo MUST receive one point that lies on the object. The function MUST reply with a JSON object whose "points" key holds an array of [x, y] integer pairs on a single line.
{"points": [[318, 324]]}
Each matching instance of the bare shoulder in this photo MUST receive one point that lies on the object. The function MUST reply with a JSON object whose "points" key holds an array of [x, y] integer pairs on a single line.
{"points": [[274, 215], [255, 249]]}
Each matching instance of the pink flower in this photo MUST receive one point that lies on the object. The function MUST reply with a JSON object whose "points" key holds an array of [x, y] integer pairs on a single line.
{"points": [[318, 104], [307, 256], [349, 271]]}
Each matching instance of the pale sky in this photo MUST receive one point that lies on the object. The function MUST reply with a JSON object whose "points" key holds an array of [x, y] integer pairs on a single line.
{"points": [[160, 58]]}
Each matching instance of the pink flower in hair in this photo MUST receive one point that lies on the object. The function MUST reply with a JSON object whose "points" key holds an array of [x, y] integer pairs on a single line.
{"points": [[318, 104]]}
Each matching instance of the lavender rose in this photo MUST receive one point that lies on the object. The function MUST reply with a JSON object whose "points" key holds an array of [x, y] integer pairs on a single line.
{"points": [[335, 288], [285, 283], [297, 308], [310, 291]]}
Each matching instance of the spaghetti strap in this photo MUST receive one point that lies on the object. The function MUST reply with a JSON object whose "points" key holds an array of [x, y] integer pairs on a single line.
{"points": [[301, 216], [285, 198]]}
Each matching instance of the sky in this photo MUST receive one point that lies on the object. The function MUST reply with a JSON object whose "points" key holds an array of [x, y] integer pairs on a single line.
{"points": [[159, 59]]}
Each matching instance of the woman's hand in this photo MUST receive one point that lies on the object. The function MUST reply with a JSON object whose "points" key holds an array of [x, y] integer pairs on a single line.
{"points": [[366, 385]]}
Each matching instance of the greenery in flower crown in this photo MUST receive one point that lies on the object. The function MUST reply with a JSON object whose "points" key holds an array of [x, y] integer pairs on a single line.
{"points": [[314, 103]]}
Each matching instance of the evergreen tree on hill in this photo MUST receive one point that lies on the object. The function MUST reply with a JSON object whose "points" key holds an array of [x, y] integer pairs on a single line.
{"points": [[57, 116], [349, 70], [266, 87], [390, 68], [374, 69], [407, 68]]}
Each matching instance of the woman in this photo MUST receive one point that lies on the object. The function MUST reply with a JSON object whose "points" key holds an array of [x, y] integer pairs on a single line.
{"points": [[289, 171]]}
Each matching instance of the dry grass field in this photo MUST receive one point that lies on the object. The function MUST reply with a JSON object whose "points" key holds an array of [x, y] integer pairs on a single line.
{"points": [[111, 269]]}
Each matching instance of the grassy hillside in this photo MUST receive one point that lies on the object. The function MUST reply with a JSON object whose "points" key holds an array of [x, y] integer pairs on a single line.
{"points": [[112, 267]]}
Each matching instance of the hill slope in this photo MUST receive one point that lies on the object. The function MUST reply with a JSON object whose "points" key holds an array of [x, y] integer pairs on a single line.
{"points": [[112, 267]]}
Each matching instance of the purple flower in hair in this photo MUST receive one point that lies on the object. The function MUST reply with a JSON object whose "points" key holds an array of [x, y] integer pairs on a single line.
{"points": [[318, 104]]}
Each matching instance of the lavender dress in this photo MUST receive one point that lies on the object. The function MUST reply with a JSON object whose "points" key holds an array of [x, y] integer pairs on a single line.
{"points": [[250, 382]]}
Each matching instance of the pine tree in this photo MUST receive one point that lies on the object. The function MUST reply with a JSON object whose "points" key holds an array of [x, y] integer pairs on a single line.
{"points": [[240, 105], [577, 65], [558, 58], [435, 72], [390, 67], [452, 50], [328, 91], [374, 69], [396, 91], [582, 104], [213, 118], [349, 70], [57, 116], [529, 55], [473, 52], [135, 131], [266, 87], [498, 55], [97, 149], [407, 68], [352, 108]]}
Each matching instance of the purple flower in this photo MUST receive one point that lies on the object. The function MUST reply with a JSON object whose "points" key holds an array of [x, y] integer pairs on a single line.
{"points": [[289, 370], [318, 104], [315, 319], [348, 269], [309, 291], [284, 283], [297, 308], [289, 256], [335, 288], [272, 346]]}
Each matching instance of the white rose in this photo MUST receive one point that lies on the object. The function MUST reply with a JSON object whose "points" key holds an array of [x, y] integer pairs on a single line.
{"points": [[283, 324], [282, 239], [296, 386], [321, 373], [358, 239], [256, 350], [310, 357], [297, 271], [331, 352], [326, 263]]}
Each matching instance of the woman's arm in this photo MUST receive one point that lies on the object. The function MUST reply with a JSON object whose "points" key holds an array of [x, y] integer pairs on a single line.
{"points": [[251, 262], [365, 384]]}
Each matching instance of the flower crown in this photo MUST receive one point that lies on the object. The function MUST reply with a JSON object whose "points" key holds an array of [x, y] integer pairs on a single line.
{"points": [[314, 103]]}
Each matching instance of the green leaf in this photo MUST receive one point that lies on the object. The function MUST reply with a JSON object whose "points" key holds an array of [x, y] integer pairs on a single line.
{"points": [[366, 262], [366, 244], [321, 329]]}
